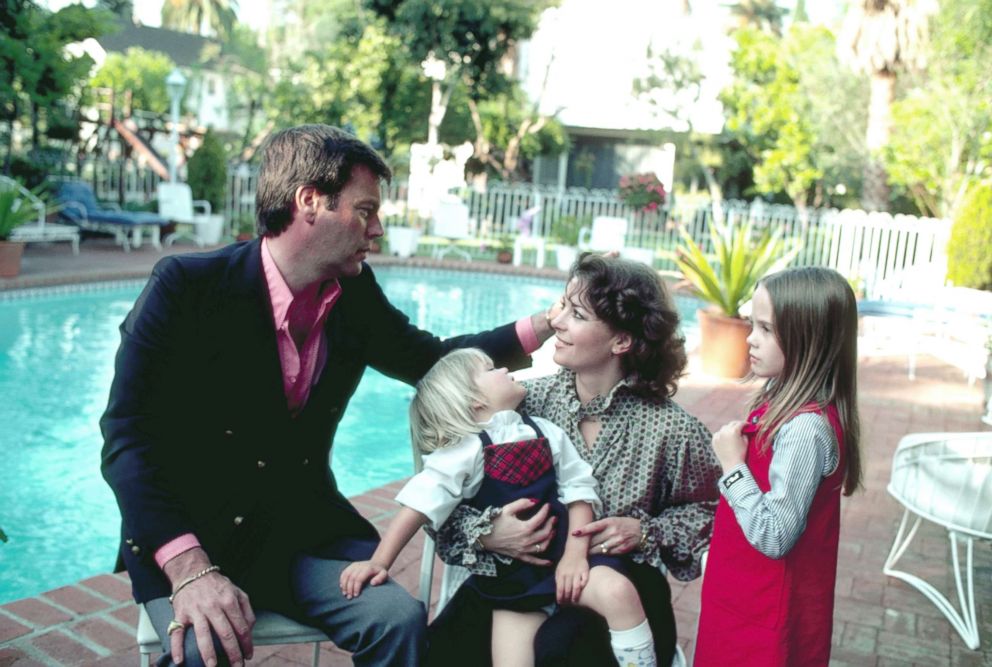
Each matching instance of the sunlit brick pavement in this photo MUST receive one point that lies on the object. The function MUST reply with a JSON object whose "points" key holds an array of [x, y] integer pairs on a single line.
{"points": [[878, 620]]}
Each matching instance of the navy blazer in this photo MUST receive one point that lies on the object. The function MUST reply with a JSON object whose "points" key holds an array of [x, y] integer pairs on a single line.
{"points": [[197, 434]]}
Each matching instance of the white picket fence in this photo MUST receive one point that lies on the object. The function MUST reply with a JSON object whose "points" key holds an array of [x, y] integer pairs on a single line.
{"points": [[874, 249]]}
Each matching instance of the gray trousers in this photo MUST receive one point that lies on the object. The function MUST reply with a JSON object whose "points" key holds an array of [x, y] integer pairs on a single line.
{"points": [[384, 626]]}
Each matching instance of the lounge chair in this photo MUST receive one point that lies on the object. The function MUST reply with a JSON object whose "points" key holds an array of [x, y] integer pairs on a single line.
{"points": [[41, 231], [79, 206]]}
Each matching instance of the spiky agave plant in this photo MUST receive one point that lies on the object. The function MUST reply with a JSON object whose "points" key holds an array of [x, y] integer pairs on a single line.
{"points": [[727, 278]]}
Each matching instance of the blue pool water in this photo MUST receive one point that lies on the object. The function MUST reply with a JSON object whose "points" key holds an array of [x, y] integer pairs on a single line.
{"points": [[56, 365]]}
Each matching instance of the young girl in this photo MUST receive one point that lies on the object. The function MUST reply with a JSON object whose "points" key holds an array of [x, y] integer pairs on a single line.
{"points": [[483, 452], [768, 589]]}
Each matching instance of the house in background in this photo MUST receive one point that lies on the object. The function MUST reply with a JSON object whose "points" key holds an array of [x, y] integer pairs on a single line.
{"points": [[596, 52], [207, 93], [207, 102]]}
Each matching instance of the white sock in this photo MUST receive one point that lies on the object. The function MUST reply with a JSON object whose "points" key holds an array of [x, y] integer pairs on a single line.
{"points": [[634, 647]]}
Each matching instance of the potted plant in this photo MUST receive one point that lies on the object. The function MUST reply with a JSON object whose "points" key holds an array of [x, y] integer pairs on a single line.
{"points": [[503, 245], [727, 280], [565, 232], [14, 212], [402, 238]]}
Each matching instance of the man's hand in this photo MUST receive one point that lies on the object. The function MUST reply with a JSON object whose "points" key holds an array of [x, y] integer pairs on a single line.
{"points": [[211, 601], [519, 538], [542, 322], [571, 577], [358, 573], [613, 535], [730, 445]]}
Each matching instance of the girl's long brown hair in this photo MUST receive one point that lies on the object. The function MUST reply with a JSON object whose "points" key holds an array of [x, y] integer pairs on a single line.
{"points": [[816, 324]]}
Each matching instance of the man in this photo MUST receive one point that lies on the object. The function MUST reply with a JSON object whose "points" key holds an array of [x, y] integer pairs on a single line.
{"points": [[233, 372]]}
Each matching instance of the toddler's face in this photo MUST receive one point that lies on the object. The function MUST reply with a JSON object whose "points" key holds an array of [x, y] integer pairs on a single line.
{"points": [[501, 391]]}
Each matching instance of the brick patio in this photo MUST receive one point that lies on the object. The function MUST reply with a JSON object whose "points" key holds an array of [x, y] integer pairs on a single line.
{"points": [[878, 622]]}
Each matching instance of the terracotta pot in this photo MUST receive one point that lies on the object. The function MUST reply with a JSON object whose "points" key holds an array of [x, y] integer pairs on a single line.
{"points": [[10, 258], [504, 257], [723, 344]]}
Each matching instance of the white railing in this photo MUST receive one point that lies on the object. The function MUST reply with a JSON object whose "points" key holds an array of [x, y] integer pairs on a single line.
{"points": [[871, 248]]}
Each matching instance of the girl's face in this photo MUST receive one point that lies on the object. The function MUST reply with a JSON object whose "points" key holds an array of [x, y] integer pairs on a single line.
{"points": [[582, 341], [767, 360], [499, 388]]}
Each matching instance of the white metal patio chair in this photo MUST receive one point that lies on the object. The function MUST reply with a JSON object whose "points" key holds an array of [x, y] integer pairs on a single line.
{"points": [[451, 223], [606, 235], [176, 204], [945, 478], [270, 628]]}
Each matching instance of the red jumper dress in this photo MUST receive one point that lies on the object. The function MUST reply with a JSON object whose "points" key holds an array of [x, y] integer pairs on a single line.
{"points": [[760, 611]]}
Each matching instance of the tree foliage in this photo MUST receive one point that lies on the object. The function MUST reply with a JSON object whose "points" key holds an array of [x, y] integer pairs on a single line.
{"points": [[207, 171], [473, 38], [193, 15], [473, 42], [141, 72], [794, 112], [969, 251], [941, 143], [36, 72]]}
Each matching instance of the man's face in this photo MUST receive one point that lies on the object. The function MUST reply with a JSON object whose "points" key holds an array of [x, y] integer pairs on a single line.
{"points": [[341, 238]]}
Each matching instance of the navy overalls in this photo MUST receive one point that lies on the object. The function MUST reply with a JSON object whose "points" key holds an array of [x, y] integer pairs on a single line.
{"points": [[524, 469]]}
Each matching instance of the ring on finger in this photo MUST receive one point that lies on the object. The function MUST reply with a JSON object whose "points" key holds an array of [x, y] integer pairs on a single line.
{"points": [[173, 626], [537, 548], [604, 547]]}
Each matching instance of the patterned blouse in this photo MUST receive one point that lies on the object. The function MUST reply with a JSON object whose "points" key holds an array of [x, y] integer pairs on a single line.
{"points": [[653, 461]]}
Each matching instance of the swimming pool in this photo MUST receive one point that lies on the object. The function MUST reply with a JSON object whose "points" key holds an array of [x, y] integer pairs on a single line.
{"points": [[56, 364]]}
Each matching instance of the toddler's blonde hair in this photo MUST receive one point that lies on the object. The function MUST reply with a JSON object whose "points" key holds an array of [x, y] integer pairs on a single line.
{"points": [[441, 412]]}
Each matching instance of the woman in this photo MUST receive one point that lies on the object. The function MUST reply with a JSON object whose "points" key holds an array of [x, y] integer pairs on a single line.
{"points": [[621, 354]]}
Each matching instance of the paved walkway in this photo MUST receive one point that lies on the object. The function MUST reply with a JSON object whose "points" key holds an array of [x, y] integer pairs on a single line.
{"points": [[878, 622]]}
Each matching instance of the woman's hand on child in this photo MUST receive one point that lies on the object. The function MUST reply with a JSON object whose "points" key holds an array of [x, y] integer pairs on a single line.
{"points": [[571, 577], [614, 535], [521, 538], [355, 576], [730, 445]]}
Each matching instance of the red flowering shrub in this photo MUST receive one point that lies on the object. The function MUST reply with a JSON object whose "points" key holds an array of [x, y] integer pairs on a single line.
{"points": [[643, 192]]}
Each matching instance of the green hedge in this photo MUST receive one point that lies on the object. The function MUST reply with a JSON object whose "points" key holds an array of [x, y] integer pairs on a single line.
{"points": [[969, 251], [207, 172]]}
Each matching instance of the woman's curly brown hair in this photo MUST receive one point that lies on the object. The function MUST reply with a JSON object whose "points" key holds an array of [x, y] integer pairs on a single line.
{"points": [[631, 297]]}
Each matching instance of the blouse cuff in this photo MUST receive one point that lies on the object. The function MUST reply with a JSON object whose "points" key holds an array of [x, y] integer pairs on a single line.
{"points": [[476, 527], [650, 545]]}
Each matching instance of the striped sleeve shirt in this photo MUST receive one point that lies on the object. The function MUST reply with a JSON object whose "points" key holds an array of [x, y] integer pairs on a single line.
{"points": [[805, 451]]}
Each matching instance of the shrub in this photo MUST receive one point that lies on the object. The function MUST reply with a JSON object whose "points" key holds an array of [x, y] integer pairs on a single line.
{"points": [[969, 250], [566, 228], [207, 172]]}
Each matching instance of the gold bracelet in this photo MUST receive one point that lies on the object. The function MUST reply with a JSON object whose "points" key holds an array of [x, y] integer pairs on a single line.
{"points": [[189, 580]]}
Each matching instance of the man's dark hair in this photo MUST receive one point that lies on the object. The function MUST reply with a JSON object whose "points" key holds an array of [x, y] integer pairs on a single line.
{"points": [[308, 155], [630, 297]]}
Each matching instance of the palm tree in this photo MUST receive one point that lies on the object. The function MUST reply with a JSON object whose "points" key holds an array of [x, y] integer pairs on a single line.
{"points": [[192, 15], [882, 38], [762, 14]]}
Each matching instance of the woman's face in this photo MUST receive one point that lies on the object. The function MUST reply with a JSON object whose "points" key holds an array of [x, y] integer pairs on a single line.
{"points": [[583, 342]]}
